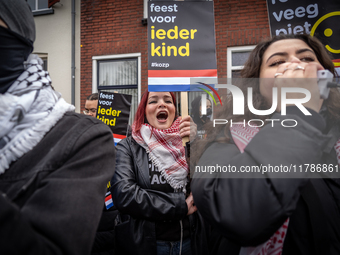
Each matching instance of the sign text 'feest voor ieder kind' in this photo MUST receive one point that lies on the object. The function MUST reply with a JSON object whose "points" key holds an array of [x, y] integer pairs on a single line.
{"points": [[114, 110], [319, 18], [181, 41]]}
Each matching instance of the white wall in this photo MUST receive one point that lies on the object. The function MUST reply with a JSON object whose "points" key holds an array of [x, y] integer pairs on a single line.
{"points": [[54, 33]]}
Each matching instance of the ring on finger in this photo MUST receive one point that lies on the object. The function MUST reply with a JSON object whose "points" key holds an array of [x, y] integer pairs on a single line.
{"points": [[299, 68], [284, 70], [278, 74]]}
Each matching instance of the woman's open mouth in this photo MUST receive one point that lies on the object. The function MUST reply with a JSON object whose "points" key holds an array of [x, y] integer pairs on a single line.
{"points": [[162, 116]]}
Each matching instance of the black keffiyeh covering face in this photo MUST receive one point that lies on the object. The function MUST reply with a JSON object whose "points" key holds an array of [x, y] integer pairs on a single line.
{"points": [[18, 17], [29, 107], [14, 52], [16, 41]]}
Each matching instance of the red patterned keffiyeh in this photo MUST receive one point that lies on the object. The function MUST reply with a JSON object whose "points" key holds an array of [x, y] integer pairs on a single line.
{"points": [[272, 247], [337, 150], [242, 136], [166, 151]]}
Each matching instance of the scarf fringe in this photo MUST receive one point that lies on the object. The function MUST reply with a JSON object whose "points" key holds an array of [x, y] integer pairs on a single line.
{"points": [[171, 181]]}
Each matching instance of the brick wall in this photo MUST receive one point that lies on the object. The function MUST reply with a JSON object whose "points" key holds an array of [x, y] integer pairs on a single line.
{"points": [[114, 27], [110, 27], [238, 23]]}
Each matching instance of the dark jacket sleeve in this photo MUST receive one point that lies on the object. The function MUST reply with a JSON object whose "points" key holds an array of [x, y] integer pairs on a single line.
{"points": [[62, 214], [142, 203], [249, 209]]}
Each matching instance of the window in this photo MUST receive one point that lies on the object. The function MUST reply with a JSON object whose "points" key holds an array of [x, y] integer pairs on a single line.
{"points": [[118, 73], [40, 7], [236, 57], [44, 64], [44, 58]]}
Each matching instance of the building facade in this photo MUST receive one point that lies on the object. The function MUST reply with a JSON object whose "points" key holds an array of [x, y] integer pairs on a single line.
{"points": [[53, 19], [114, 42]]}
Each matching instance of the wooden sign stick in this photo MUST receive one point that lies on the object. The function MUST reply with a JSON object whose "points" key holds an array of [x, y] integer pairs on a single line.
{"points": [[184, 112]]}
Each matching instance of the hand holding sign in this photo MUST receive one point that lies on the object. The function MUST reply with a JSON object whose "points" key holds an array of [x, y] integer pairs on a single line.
{"points": [[187, 128]]}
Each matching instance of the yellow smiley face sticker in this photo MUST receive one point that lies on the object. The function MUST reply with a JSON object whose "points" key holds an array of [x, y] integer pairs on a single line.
{"points": [[328, 32]]}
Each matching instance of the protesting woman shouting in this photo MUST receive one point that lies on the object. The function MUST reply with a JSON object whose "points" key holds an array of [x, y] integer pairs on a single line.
{"points": [[150, 186]]}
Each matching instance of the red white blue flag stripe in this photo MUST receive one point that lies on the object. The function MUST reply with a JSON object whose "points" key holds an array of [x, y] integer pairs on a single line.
{"points": [[117, 138], [108, 200], [176, 80]]}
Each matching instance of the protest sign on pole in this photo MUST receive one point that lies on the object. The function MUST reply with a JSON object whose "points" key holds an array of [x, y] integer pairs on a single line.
{"points": [[319, 18], [114, 110], [181, 44]]}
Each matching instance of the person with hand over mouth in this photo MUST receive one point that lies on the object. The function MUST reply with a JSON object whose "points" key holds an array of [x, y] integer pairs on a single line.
{"points": [[287, 212]]}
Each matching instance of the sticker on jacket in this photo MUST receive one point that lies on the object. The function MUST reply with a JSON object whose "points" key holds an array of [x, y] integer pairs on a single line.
{"points": [[108, 200]]}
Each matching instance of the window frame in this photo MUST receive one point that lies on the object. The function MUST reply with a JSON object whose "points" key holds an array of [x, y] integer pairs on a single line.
{"points": [[235, 49], [95, 64], [37, 12], [44, 58], [112, 87]]}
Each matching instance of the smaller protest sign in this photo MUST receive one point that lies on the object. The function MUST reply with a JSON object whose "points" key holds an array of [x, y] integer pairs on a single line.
{"points": [[114, 111]]}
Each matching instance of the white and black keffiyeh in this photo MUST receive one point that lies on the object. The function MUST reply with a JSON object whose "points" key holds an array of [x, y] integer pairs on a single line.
{"points": [[28, 110]]}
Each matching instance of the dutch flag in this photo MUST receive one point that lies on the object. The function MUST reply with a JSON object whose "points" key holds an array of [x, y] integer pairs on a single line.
{"points": [[108, 200], [117, 138]]}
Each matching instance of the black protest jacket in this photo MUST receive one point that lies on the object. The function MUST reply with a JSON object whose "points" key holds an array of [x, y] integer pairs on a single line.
{"points": [[51, 199], [104, 243], [247, 211], [140, 206]]}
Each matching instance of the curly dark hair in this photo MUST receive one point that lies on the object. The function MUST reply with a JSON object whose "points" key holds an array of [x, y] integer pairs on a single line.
{"points": [[253, 65]]}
